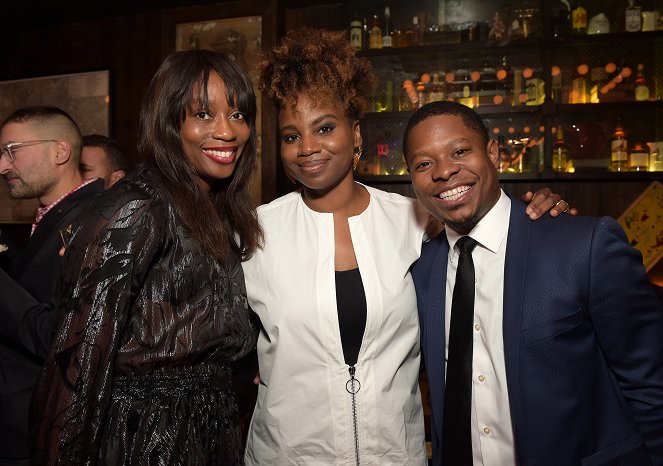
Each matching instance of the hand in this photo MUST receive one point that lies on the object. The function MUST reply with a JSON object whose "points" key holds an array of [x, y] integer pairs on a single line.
{"points": [[545, 200], [256, 379]]}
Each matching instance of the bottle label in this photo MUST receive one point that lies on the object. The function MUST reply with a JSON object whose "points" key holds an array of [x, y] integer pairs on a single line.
{"points": [[579, 19], [633, 20], [639, 159], [641, 92], [618, 150]]}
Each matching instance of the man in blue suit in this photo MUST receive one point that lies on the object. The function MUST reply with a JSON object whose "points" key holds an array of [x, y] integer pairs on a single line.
{"points": [[567, 333]]}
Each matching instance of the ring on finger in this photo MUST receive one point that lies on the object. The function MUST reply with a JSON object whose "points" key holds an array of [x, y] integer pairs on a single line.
{"points": [[560, 201]]}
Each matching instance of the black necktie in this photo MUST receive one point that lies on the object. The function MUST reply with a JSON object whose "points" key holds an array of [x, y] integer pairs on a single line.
{"points": [[456, 427]]}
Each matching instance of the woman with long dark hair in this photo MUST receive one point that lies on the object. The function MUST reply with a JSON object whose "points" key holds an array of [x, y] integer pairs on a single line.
{"points": [[152, 304]]}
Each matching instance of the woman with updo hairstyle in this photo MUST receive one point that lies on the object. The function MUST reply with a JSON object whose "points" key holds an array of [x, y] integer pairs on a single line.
{"points": [[152, 304], [339, 347]]}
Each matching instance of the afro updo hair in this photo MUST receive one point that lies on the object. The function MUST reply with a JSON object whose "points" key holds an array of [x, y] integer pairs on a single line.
{"points": [[321, 64]]}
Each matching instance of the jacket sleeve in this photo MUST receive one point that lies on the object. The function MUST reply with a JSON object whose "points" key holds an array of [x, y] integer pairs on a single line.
{"points": [[628, 319], [104, 267], [25, 321]]}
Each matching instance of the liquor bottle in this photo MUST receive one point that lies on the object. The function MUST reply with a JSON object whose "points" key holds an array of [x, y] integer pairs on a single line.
{"points": [[560, 153], [365, 35], [638, 159], [356, 34], [579, 19], [633, 18], [518, 96], [415, 32], [375, 40], [579, 89], [503, 157], [386, 31], [641, 89], [560, 22], [436, 91], [618, 149]]}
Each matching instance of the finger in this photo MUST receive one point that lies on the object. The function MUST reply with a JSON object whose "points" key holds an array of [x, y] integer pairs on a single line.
{"points": [[527, 197]]}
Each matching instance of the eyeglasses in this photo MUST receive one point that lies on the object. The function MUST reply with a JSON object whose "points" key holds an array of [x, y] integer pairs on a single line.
{"points": [[6, 151]]}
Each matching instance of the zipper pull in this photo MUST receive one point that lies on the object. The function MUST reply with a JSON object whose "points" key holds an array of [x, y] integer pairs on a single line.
{"points": [[353, 385]]}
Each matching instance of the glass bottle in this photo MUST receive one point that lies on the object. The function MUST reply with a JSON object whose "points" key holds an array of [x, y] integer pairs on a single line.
{"points": [[386, 31], [638, 159], [560, 153], [503, 157], [579, 19], [641, 88], [365, 35], [579, 88], [618, 149], [355, 33], [375, 39], [416, 31], [632, 18], [436, 90]]}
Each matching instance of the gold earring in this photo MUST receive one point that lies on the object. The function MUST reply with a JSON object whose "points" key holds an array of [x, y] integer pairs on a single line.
{"points": [[355, 158]]}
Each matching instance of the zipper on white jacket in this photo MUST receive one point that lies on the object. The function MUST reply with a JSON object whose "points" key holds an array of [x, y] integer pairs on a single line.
{"points": [[353, 386]]}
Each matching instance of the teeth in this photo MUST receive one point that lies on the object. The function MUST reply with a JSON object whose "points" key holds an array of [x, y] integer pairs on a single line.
{"points": [[219, 154], [455, 193]]}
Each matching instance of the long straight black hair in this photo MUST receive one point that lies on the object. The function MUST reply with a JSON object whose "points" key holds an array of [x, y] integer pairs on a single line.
{"points": [[224, 222]]}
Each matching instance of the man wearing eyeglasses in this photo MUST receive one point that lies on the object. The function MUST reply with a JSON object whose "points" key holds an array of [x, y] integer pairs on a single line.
{"points": [[40, 151]]}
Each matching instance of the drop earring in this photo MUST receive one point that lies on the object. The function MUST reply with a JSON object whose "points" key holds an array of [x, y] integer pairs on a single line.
{"points": [[355, 158]]}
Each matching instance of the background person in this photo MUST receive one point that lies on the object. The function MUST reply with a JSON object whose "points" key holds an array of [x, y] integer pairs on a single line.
{"points": [[102, 157], [152, 304], [566, 350], [40, 151]]}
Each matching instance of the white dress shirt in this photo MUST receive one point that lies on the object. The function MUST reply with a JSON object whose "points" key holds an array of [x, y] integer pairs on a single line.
{"points": [[492, 433]]}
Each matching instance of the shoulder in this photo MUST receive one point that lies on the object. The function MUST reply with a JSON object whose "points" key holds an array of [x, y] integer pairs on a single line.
{"points": [[279, 206], [137, 198]]}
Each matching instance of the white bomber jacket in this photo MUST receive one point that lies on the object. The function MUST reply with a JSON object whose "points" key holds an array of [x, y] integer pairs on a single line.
{"points": [[303, 414]]}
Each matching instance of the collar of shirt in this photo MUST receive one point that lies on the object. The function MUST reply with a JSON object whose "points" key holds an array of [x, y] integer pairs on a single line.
{"points": [[491, 230], [41, 211]]}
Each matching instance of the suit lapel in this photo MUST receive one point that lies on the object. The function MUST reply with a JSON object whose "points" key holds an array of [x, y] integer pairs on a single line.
{"points": [[434, 327], [514, 287]]}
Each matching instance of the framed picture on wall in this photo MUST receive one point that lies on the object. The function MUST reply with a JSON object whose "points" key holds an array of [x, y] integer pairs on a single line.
{"points": [[643, 224], [85, 96], [240, 39]]}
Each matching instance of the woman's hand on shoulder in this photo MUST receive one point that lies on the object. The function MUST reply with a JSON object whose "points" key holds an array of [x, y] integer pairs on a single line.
{"points": [[544, 200]]}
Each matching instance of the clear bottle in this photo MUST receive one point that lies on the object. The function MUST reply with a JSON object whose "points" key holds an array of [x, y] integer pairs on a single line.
{"points": [[619, 149], [579, 88], [560, 154], [375, 33], [386, 31], [503, 157], [365, 35], [416, 32], [436, 89], [641, 88], [579, 19], [638, 159], [632, 18], [356, 33]]}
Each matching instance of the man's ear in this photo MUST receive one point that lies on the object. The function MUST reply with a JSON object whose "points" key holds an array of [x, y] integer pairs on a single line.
{"points": [[115, 176], [493, 151], [62, 152]]}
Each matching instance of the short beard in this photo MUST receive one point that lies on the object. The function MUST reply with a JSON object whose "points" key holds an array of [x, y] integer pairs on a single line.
{"points": [[466, 225], [25, 191]]}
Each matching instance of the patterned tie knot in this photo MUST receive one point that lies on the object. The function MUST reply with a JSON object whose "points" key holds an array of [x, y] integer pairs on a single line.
{"points": [[466, 244]]}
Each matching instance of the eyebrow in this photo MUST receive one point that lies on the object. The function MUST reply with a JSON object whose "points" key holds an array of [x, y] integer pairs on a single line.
{"points": [[313, 123]]}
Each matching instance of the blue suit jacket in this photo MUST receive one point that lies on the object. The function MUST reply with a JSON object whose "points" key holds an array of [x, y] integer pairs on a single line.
{"points": [[583, 342]]}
